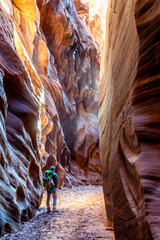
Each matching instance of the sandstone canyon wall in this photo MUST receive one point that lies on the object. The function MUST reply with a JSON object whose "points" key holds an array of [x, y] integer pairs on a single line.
{"points": [[129, 119], [49, 71]]}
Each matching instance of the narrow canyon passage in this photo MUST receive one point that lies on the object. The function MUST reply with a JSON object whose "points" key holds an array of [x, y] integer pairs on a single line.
{"points": [[80, 215]]}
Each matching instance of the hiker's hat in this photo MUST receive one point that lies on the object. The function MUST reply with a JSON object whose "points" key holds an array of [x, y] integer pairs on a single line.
{"points": [[52, 168]]}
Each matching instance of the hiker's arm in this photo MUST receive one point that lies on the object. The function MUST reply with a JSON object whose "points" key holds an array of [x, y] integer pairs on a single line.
{"points": [[56, 180]]}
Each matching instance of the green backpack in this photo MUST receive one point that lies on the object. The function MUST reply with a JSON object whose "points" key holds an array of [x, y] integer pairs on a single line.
{"points": [[48, 180]]}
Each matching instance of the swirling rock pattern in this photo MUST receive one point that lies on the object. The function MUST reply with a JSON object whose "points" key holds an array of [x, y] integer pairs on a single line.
{"points": [[49, 73], [130, 119]]}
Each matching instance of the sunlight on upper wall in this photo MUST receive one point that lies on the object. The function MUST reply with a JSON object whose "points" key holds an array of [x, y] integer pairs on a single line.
{"points": [[7, 6], [97, 7], [96, 20]]}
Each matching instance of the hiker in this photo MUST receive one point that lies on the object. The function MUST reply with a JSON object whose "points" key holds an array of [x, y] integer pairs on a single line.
{"points": [[50, 181]]}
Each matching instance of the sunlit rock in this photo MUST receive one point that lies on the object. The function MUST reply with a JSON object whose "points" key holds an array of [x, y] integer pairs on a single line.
{"points": [[93, 13], [129, 119]]}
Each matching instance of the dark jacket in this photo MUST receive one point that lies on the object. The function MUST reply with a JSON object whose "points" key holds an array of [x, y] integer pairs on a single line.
{"points": [[55, 179]]}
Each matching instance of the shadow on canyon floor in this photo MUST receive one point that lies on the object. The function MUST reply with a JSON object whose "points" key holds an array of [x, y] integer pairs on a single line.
{"points": [[80, 215]]}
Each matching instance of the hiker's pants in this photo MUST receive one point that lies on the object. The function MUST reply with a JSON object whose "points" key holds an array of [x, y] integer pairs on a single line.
{"points": [[54, 195]]}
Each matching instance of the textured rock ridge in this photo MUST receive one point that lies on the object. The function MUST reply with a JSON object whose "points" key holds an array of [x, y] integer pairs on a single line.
{"points": [[129, 119], [49, 73]]}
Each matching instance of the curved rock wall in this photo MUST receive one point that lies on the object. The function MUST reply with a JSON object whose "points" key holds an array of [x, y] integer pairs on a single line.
{"points": [[129, 119], [77, 73], [49, 72]]}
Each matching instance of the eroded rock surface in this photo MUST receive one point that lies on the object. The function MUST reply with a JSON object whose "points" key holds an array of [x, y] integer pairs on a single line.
{"points": [[49, 72], [130, 119]]}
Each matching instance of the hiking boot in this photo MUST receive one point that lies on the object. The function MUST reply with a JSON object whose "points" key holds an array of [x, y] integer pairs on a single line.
{"points": [[54, 209], [48, 209]]}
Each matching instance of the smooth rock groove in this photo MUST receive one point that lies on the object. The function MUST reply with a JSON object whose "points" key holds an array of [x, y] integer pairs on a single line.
{"points": [[129, 119]]}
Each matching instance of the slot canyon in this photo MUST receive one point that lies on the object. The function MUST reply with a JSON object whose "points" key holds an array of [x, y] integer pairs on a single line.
{"points": [[79, 91]]}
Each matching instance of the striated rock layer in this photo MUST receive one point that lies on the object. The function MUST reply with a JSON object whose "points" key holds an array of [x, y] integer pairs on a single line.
{"points": [[129, 119], [49, 70]]}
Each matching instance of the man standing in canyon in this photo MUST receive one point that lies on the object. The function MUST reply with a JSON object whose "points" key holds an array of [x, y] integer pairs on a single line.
{"points": [[50, 181]]}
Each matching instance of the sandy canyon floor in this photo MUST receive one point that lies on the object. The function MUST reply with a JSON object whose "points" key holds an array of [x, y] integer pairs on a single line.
{"points": [[80, 215]]}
